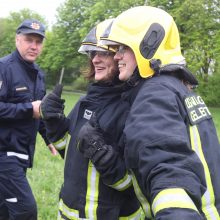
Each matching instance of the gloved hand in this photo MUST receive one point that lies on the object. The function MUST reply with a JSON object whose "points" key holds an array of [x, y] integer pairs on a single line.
{"points": [[52, 105], [92, 145]]}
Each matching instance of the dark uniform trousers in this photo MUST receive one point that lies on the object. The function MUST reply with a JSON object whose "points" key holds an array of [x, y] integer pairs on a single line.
{"points": [[16, 198]]}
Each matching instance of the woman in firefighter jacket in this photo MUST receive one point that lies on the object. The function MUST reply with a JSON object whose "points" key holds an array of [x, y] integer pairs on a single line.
{"points": [[96, 182], [172, 148]]}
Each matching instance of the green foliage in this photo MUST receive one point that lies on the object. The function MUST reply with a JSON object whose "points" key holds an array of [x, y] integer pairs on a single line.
{"points": [[199, 35], [216, 117], [198, 23], [210, 91], [80, 84], [7, 36]]}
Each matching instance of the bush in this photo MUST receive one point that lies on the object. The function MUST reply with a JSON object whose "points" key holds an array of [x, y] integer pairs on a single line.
{"points": [[210, 91], [80, 84]]}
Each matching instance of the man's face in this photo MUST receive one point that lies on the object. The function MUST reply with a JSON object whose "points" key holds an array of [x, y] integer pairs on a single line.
{"points": [[126, 62], [29, 46], [105, 66]]}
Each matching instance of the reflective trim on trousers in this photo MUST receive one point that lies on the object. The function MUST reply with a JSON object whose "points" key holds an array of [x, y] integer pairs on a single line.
{"points": [[92, 193], [21, 156], [72, 214]]}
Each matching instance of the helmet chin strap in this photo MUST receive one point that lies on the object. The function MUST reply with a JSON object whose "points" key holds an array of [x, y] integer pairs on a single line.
{"points": [[134, 78]]}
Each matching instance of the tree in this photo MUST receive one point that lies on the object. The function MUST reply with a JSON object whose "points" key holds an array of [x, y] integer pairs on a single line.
{"points": [[75, 18], [198, 23], [61, 47]]}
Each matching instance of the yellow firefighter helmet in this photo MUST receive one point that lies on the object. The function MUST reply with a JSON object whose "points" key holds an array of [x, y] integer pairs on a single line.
{"points": [[150, 32]]}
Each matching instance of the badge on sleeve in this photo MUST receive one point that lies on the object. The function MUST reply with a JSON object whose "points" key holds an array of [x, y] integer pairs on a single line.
{"points": [[87, 114], [196, 109], [1, 82]]}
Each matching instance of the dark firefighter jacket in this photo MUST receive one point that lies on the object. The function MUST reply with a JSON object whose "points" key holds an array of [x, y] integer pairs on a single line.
{"points": [[100, 193], [173, 152], [20, 84]]}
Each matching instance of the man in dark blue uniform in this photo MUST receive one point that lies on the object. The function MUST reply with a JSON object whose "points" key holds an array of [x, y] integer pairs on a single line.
{"points": [[21, 89]]}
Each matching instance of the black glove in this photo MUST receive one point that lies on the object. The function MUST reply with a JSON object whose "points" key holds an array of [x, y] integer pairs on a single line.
{"points": [[52, 105], [92, 145]]}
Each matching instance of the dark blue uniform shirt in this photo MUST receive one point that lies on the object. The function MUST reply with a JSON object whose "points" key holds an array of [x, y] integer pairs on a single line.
{"points": [[20, 84]]}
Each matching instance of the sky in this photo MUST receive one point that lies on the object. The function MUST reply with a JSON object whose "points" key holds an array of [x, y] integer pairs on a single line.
{"points": [[46, 8]]}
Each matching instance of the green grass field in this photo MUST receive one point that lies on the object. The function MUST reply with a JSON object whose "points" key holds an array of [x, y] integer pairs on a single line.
{"points": [[46, 176]]}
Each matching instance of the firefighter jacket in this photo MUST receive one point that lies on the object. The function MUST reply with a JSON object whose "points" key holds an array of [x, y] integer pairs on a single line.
{"points": [[173, 152], [20, 84], [105, 192]]}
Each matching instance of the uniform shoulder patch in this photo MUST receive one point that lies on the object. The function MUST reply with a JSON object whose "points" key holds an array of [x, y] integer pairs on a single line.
{"points": [[87, 114], [196, 109]]}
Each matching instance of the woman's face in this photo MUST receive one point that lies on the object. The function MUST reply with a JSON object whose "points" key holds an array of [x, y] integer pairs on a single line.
{"points": [[106, 68], [126, 62]]}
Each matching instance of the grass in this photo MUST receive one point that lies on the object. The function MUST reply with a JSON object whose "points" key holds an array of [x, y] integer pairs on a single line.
{"points": [[46, 176], [216, 116]]}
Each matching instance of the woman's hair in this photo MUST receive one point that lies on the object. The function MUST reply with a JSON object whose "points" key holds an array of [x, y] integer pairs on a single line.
{"points": [[89, 73]]}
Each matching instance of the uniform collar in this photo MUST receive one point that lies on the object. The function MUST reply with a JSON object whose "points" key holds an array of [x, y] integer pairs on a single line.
{"points": [[31, 67]]}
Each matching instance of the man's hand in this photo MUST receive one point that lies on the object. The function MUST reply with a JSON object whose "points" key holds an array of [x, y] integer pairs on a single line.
{"points": [[36, 106], [52, 149], [52, 105]]}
